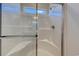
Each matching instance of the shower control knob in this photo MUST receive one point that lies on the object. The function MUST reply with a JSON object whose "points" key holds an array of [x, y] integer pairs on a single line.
{"points": [[50, 8], [53, 27], [36, 35]]}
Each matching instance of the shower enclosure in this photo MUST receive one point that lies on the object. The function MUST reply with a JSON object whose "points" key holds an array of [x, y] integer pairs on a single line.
{"points": [[31, 29]]}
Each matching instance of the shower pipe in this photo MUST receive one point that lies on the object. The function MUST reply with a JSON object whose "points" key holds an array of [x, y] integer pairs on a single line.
{"points": [[62, 34]]}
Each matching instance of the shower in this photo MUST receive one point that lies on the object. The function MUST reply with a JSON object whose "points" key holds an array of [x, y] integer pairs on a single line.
{"points": [[31, 29]]}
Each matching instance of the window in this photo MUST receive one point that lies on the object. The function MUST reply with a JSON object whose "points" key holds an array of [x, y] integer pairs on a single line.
{"points": [[31, 10], [11, 8], [56, 10]]}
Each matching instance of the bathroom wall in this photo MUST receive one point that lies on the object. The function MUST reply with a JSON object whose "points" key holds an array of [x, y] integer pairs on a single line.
{"points": [[71, 29], [49, 39], [14, 23], [9, 45], [18, 46]]}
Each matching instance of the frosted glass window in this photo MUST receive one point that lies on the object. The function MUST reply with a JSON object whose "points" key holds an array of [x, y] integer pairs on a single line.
{"points": [[31, 10], [56, 11], [41, 11], [11, 8]]}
